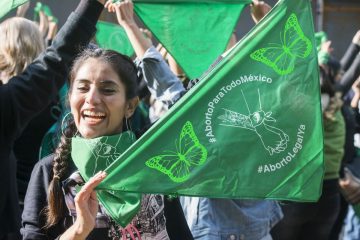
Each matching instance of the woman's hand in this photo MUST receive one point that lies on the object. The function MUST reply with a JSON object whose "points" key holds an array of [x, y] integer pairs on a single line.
{"points": [[259, 9], [87, 206], [356, 38], [350, 187], [124, 12]]}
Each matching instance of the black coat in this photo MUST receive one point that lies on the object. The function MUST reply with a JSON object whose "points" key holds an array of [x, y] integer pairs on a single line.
{"points": [[27, 94], [36, 200]]}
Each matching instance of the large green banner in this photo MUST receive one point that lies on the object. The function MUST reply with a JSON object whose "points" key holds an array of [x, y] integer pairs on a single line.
{"points": [[7, 5], [195, 33], [251, 128]]}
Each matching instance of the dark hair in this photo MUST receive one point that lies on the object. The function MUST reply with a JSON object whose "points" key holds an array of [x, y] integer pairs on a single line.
{"points": [[326, 83], [334, 69], [127, 72], [56, 203], [121, 64]]}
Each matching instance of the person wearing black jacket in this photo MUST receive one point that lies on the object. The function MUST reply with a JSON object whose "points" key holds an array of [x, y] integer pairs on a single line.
{"points": [[102, 95], [27, 94]]}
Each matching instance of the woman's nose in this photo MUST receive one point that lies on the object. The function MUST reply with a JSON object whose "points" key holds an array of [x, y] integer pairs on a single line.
{"points": [[93, 96]]}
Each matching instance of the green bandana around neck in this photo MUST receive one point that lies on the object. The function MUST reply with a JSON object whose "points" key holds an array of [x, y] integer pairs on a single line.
{"points": [[93, 155]]}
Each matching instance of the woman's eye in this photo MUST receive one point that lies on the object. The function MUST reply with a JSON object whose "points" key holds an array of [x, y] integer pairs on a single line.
{"points": [[108, 90], [82, 88]]}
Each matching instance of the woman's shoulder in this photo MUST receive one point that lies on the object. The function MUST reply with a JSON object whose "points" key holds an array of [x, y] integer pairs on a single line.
{"points": [[46, 162], [44, 165]]}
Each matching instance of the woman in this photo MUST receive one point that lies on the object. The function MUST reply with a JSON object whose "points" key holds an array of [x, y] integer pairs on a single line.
{"points": [[21, 44], [102, 97]]}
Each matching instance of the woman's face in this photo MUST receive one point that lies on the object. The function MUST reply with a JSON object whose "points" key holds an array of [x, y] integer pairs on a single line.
{"points": [[97, 100]]}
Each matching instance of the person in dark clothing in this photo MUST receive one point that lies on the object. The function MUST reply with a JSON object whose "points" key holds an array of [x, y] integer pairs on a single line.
{"points": [[25, 95], [349, 70], [102, 97], [21, 44]]}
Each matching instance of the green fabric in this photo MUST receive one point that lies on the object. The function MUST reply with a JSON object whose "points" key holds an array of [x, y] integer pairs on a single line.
{"points": [[113, 36], [320, 38], [46, 9], [188, 1], [251, 128], [195, 34], [323, 57], [356, 208], [101, 152], [7, 5], [334, 141]]}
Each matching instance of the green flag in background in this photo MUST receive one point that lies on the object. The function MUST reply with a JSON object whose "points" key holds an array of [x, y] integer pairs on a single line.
{"points": [[113, 36], [7, 5], [195, 34], [251, 128]]}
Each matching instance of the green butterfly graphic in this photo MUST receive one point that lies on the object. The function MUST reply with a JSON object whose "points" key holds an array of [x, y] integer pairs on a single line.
{"points": [[179, 164], [281, 57]]}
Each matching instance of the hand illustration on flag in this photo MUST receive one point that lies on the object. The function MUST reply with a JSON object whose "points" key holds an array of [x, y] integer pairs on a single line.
{"points": [[273, 139]]}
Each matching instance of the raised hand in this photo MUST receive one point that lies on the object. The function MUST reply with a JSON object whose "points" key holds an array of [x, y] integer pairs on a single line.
{"points": [[350, 187], [356, 38], [125, 16], [124, 11], [259, 9]]}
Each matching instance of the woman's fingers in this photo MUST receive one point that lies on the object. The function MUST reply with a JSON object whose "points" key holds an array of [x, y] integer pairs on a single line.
{"points": [[88, 188]]}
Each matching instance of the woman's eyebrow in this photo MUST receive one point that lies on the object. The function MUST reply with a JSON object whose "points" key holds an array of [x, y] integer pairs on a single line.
{"points": [[82, 80]]}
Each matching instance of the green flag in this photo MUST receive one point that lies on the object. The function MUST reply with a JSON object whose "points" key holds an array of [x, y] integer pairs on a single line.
{"points": [[251, 128], [195, 34], [7, 5], [113, 36]]}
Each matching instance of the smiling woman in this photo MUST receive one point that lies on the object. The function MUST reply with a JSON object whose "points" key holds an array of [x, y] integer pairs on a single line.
{"points": [[102, 98], [102, 93]]}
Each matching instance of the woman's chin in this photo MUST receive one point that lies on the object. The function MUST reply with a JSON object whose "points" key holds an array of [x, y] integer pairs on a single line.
{"points": [[90, 134]]}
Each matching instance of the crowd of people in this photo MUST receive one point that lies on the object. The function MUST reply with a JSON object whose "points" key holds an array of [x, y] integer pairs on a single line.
{"points": [[57, 85]]}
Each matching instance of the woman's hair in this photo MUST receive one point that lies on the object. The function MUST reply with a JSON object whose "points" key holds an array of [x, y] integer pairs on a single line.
{"points": [[121, 64], [326, 82], [327, 87], [21, 42], [127, 72], [56, 203]]}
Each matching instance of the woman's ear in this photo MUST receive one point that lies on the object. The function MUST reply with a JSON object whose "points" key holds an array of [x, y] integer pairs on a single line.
{"points": [[131, 106]]}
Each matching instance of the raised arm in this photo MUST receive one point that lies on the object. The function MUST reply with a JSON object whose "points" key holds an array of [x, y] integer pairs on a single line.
{"points": [[351, 52], [28, 93], [258, 10], [125, 16], [161, 81]]}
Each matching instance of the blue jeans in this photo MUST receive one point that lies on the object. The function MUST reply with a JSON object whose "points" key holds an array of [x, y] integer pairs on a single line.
{"points": [[227, 219]]}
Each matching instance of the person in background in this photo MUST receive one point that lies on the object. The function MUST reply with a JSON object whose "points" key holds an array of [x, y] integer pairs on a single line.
{"points": [[21, 44], [27, 94]]}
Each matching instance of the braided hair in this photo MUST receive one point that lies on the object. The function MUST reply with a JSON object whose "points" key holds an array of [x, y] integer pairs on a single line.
{"points": [[128, 74]]}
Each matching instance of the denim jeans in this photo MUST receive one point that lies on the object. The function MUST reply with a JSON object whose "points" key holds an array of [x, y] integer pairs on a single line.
{"points": [[227, 219]]}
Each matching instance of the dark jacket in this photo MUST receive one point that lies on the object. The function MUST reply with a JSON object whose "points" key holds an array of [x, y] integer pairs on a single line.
{"points": [[36, 199], [27, 94]]}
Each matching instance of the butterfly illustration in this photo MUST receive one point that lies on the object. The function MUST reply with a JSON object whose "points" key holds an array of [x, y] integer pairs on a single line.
{"points": [[281, 57], [179, 164]]}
